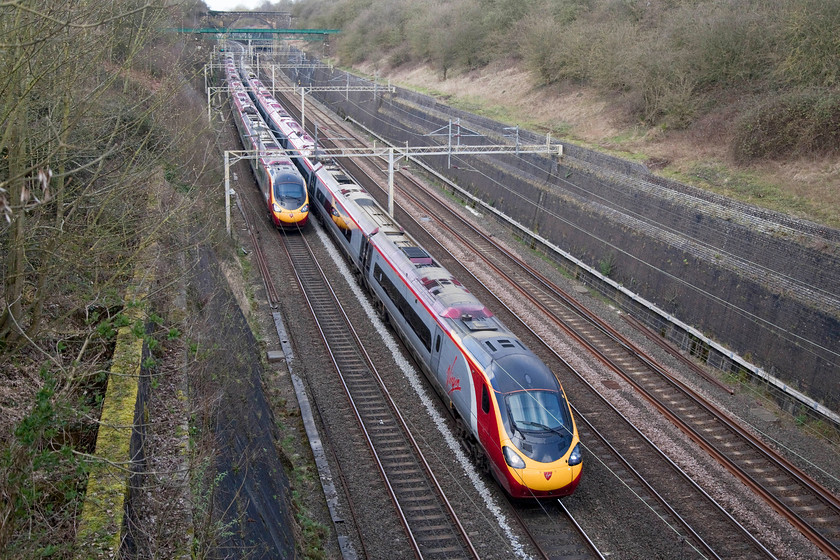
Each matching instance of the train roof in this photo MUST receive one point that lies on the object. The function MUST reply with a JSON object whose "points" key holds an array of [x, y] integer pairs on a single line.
{"points": [[509, 364], [273, 156], [444, 294], [285, 171]]}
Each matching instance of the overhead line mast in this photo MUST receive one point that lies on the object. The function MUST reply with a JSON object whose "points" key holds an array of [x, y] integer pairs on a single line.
{"points": [[394, 154]]}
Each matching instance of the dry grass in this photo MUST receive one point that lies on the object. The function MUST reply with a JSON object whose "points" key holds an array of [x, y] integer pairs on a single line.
{"points": [[806, 187]]}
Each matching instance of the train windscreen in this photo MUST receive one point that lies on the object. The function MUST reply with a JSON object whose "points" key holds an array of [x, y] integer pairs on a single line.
{"points": [[288, 190], [536, 410]]}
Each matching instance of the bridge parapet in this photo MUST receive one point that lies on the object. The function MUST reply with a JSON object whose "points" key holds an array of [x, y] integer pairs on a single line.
{"points": [[275, 20]]}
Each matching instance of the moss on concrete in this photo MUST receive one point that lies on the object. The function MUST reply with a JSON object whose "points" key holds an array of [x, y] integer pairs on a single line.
{"points": [[101, 524]]}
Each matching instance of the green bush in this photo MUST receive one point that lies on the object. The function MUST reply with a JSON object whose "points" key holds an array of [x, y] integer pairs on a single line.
{"points": [[725, 45], [557, 55]]}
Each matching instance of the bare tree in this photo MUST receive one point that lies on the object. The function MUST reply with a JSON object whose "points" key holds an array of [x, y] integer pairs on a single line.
{"points": [[86, 115]]}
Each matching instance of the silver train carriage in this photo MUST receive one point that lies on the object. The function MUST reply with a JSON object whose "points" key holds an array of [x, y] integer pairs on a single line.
{"points": [[511, 411], [283, 187]]}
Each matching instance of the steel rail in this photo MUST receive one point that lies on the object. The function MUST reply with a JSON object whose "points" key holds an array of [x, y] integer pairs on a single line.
{"points": [[827, 543], [824, 543], [420, 544]]}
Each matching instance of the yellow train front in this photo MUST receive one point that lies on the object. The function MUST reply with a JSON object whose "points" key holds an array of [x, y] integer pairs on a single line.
{"points": [[525, 425], [285, 193], [541, 455]]}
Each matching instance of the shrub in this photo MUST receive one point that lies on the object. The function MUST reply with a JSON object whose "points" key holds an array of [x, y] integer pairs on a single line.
{"points": [[794, 123], [556, 54], [810, 43], [727, 45]]}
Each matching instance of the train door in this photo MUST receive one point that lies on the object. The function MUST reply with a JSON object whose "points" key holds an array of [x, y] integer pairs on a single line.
{"points": [[264, 183], [452, 374], [311, 182], [437, 342], [365, 252]]}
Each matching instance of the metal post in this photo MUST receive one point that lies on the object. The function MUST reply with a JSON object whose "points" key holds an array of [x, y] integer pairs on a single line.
{"points": [[449, 147], [391, 182], [209, 116], [227, 191], [302, 112], [517, 139]]}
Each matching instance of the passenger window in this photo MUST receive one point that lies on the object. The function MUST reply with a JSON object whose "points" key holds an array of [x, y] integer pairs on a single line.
{"points": [[437, 344], [485, 399]]}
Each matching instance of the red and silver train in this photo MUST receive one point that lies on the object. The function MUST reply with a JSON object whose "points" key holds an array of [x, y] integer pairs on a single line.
{"points": [[511, 411], [282, 185], [299, 144]]}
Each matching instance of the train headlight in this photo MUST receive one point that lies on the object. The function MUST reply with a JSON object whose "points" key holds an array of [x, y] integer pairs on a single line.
{"points": [[304, 208], [276, 207], [576, 456], [512, 459]]}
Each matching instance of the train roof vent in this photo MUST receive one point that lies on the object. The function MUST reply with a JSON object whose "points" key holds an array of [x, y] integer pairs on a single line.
{"points": [[417, 255], [479, 324], [505, 343]]}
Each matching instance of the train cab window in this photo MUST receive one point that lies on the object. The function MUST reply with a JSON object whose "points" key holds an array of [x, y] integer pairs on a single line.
{"points": [[485, 399], [289, 189]]}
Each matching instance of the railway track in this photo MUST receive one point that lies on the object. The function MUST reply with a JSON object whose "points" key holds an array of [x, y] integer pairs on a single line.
{"points": [[809, 507], [659, 470], [552, 535], [812, 509], [555, 531], [432, 527]]}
